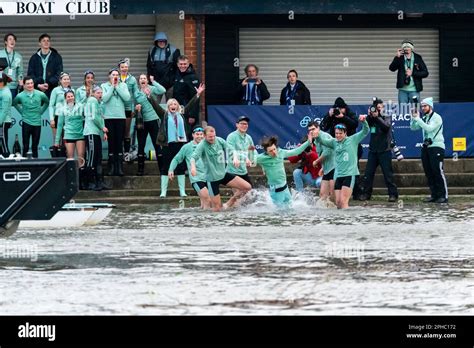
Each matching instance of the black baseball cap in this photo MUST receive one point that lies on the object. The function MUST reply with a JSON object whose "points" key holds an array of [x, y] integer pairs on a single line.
{"points": [[243, 118]]}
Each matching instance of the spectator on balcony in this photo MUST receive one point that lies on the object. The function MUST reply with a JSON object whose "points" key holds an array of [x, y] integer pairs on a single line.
{"points": [[252, 90], [295, 91]]}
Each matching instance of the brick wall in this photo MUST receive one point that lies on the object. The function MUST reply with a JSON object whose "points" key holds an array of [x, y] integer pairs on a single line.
{"points": [[190, 49]]}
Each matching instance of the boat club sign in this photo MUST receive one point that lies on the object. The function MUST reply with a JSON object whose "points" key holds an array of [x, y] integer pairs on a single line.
{"points": [[55, 7]]}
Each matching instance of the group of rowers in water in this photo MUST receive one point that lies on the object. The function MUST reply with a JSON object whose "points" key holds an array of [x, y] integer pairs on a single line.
{"points": [[213, 161]]}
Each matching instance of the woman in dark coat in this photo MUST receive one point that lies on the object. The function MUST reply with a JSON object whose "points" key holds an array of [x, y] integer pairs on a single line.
{"points": [[295, 91]]}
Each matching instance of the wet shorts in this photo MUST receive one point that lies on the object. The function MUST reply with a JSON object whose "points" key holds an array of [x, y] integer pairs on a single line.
{"points": [[347, 181], [329, 176], [246, 177], [198, 186], [213, 186]]}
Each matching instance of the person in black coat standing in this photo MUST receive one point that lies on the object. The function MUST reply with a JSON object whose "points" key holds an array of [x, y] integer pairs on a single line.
{"points": [[252, 90], [411, 69], [185, 85], [295, 91], [45, 66]]}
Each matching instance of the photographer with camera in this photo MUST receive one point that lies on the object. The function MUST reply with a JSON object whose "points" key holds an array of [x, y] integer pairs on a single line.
{"points": [[252, 90], [380, 152], [411, 69], [339, 113], [432, 152]]}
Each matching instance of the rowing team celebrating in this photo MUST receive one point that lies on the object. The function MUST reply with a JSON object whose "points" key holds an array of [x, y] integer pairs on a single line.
{"points": [[213, 161]]}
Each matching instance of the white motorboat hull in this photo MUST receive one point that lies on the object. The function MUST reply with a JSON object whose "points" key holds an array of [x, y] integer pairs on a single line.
{"points": [[73, 215]]}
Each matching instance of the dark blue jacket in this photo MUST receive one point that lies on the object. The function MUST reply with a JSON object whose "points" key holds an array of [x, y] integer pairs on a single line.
{"points": [[53, 70]]}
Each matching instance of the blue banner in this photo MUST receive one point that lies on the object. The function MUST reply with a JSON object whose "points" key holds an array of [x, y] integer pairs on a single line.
{"points": [[289, 124]]}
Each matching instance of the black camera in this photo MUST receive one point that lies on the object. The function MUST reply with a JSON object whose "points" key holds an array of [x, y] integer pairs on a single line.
{"points": [[415, 100], [407, 80], [336, 112], [373, 108], [427, 142], [396, 151]]}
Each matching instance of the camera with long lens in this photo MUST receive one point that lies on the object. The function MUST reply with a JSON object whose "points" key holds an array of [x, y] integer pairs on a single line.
{"points": [[396, 151], [427, 142], [373, 107]]}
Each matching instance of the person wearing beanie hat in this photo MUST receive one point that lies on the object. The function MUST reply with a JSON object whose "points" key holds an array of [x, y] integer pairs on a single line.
{"points": [[162, 60], [433, 150], [339, 113], [411, 69], [428, 101]]}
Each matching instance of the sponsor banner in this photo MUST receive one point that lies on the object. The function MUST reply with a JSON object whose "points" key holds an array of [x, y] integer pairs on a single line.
{"points": [[289, 124]]}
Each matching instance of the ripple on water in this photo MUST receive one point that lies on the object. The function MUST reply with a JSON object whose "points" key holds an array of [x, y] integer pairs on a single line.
{"points": [[255, 260]]}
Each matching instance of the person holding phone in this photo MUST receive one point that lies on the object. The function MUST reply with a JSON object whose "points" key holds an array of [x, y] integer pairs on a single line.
{"points": [[252, 90], [411, 69]]}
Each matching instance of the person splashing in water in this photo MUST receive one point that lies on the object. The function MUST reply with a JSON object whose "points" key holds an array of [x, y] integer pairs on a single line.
{"points": [[213, 150]]}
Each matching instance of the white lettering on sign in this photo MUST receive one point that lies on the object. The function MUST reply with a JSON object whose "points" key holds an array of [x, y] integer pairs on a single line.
{"points": [[16, 176], [55, 7]]}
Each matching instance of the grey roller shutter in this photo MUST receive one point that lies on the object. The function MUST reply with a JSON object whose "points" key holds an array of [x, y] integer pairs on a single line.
{"points": [[352, 63], [96, 48]]}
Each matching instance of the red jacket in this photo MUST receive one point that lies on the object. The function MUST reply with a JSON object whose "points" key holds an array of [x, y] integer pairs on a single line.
{"points": [[307, 159]]}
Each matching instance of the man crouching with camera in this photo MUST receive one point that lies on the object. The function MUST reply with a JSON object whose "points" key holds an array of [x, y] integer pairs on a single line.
{"points": [[380, 152], [432, 153]]}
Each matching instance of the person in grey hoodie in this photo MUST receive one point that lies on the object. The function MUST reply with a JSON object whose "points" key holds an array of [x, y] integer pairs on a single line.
{"points": [[162, 60]]}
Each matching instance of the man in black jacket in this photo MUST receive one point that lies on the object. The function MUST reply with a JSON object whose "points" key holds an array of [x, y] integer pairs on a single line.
{"points": [[411, 69], [162, 60], [339, 113], [295, 91], [252, 90], [185, 84], [45, 66], [380, 152]]}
